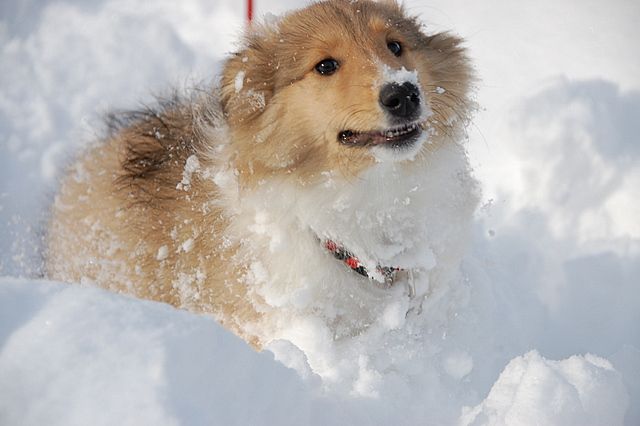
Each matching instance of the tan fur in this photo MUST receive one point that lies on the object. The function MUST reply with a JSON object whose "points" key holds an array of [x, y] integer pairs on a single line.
{"points": [[121, 203]]}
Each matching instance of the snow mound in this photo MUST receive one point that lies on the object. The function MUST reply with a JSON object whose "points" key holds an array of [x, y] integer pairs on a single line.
{"points": [[74, 355], [581, 390]]}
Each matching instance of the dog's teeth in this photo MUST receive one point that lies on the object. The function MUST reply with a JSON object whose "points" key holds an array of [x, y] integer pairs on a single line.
{"points": [[399, 131]]}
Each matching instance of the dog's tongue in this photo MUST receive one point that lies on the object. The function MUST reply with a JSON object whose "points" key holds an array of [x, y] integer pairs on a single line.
{"points": [[379, 138]]}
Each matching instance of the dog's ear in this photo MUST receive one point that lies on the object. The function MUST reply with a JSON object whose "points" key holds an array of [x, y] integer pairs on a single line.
{"points": [[247, 81]]}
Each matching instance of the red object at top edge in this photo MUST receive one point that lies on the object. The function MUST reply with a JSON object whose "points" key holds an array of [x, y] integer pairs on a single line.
{"points": [[249, 10]]}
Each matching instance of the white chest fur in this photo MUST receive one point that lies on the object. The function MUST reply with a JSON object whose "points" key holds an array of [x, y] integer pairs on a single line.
{"points": [[411, 215]]}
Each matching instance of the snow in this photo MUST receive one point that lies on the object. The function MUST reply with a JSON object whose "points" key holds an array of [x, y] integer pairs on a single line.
{"points": [[400, 76], [73, 355], [553, 262], [163, 253], [191, 165], [581, 390], [238, 82]]}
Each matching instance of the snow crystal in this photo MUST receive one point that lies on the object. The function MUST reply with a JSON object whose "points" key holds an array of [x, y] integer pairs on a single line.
{"points": [[163, 253], [187, 245], [191, 166], [239, 81]]}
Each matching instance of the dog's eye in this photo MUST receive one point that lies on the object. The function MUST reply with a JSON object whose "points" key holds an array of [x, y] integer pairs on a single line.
{"points": [[327, 66], [395, 47]]}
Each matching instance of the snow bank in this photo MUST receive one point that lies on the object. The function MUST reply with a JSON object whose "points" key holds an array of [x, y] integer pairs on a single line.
{"points": [[76, 356], [73, 355]]}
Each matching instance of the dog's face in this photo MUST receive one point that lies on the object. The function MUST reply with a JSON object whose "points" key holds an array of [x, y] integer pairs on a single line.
{"points": [[339, 85]]}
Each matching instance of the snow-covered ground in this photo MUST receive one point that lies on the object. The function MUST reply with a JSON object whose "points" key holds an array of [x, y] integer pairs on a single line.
{"points": [[546, 325]]}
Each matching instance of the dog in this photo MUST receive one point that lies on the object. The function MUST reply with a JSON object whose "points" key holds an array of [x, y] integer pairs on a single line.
{"points": [[321, 182]]}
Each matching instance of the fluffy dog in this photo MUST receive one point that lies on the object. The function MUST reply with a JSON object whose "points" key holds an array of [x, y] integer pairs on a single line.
{"points": [[322, 180]]}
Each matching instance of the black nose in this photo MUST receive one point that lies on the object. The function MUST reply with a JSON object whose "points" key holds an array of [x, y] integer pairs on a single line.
{"points": [[401, 100]]}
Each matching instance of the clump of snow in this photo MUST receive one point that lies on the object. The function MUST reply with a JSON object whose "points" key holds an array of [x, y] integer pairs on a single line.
{"points": [[238, 82], [190, 167], [187, 245], [398, 76], [163, 253], [581, 390]]}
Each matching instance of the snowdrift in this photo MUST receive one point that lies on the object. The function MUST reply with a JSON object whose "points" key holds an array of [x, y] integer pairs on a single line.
{"points": [[76, 355]]}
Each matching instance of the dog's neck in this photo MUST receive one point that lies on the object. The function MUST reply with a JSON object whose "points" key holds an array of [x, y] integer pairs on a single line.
{"points": [[378, 216], [413, 216]]}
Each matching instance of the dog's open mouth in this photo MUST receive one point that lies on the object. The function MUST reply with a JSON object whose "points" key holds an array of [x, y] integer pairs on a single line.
{"points": [[395, 137]]}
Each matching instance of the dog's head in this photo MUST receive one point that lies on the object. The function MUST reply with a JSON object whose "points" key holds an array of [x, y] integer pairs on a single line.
{"points": [[339, 85]]}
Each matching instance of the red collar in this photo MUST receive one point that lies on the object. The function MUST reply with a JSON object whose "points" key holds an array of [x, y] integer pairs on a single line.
{"points": [[340, 253]]}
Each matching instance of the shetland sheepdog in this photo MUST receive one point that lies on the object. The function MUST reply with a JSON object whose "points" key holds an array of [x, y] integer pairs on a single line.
{"points": [[322, 179]]}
